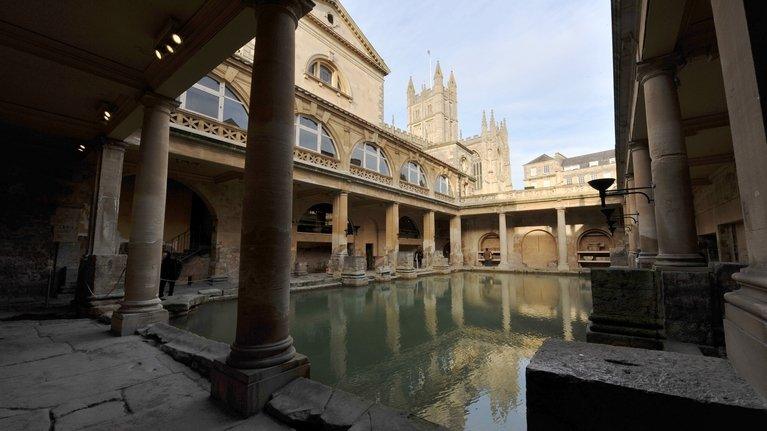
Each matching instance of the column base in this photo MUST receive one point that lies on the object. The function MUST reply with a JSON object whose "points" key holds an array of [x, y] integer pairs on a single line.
{"points": [[456, 260], [563, 268], [246, 391], [127, 323], [679, 260]]}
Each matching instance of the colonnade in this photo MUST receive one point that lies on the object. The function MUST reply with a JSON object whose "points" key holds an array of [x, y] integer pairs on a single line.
{"points": [[561, 232]]}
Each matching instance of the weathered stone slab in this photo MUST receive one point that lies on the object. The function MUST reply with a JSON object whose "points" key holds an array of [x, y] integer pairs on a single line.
{"points": [[85, 402], [353, 273], [190, 349], [92, 415], [210, 292], [183, 303], [344, 409], [167, 390], [35, 420], [31, 349], [635, 389], [380, 417], [300, 403]]}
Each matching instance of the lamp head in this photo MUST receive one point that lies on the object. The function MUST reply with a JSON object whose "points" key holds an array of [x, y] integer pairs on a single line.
{"points": [[602, 184]]}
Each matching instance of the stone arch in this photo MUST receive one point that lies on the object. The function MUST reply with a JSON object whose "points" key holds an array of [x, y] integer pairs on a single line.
{"points": [[343, 82], [340, 153], [595, 240], [539, 250], [390, 160], [424, 171]]}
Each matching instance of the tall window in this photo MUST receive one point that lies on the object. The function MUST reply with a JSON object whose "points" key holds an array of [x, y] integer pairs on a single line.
{"points": [[443, 185], [313, 136], [546, 169], [569, 180], [325, 72], [478, 174], [369, 156], [215, 99], [412, 173]]}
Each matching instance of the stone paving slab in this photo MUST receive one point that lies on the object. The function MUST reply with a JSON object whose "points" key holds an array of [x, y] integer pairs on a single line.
{"points": [[101, 382]]}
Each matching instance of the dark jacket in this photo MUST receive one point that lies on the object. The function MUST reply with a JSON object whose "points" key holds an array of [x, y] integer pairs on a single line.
{"points": [[170, 268]]}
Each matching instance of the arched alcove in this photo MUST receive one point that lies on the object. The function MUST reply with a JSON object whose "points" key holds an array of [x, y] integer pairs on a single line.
{"points": [[539, 250]]}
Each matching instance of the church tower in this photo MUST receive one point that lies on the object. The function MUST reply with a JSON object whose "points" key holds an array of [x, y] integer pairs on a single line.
{"points": [[433, 113]]}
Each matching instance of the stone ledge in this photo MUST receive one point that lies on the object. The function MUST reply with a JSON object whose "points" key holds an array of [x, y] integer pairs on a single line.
{"points": [[191, 350], [307, 404], [574, 385]]}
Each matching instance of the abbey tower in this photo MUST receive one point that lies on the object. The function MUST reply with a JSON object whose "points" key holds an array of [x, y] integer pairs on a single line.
{"points": [[433, 116], [433, 113]]}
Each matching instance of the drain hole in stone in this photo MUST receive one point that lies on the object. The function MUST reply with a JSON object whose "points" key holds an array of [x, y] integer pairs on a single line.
{"points": [[619, 362]]}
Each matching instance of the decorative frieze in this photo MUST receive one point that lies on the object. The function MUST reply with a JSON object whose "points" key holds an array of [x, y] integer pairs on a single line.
{"points": [[404, 185]]}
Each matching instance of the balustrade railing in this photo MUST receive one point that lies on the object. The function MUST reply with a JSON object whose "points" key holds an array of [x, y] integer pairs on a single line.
{"points": [[186, 120]]}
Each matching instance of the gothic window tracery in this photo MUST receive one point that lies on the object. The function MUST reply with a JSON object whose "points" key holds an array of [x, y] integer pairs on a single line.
{"points": [[215, 99], [313, 136]]}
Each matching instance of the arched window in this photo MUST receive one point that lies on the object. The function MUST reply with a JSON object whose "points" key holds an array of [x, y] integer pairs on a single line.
{"points": [[408, 228], [370, 156], [413, 174], [325, 72], [215, 99], [312, 136], [443, 186], [478, 173], [318, 219]]}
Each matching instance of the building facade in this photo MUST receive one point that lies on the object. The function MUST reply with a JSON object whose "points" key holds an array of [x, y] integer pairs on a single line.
{"points": [[558, 170]]}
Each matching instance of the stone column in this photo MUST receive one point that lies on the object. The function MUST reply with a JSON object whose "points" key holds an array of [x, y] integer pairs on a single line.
{"points": [[428, 239], [262, 357], [674, 211], [392, 234], [456, 253], [630, 208], [339, 236], [141, 306], [746, 308], [648, 235], [562, 264], [503, 235], [103, 266]]}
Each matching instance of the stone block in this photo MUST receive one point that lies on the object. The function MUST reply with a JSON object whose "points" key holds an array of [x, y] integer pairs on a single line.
{"points": [[301, 268], [626, 308], [405, 268], [573, 385], [619, 257], [211, 292], [27, 420], [723, 283], [190, 349], [179, 304], [688, 305], [128, 323], [246, 391], [353, 273]]}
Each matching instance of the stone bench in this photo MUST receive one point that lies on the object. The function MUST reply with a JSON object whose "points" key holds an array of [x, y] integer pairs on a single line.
{"points": [[574, 385]]}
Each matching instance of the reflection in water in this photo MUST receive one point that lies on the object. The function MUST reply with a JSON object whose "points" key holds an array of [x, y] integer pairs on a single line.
{"points": [[452, 349]]}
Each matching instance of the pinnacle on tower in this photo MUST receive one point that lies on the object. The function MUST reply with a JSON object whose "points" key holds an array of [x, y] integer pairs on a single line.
{"points": [[484, 122], [451, 82], [410, 89], [492, 121], [438, 78]]}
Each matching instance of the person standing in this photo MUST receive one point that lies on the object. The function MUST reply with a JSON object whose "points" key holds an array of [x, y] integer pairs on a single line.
{"points": [[488, 256], [170, 270]]}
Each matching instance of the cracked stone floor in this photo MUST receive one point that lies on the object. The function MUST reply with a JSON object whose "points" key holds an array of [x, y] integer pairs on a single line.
{"points": [[72, 374]]}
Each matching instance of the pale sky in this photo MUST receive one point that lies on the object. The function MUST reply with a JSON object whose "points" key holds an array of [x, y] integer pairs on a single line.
{"points": [[544, 65]]}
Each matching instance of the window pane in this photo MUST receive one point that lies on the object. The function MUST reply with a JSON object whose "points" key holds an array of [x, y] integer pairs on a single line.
{"points": [[384, 167], [307, 139], [308, 122], [327, 146], [230, 94], [371, 162], [234, 113], [326, 75], [357, 156], [202, 102], [371, 150], [209, 82]]}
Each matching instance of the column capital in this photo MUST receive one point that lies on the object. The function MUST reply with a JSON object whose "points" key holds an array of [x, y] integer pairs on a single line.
{"points": [[296, 8], [113, 144], [151, 99], [664, 65], [638, 144]]}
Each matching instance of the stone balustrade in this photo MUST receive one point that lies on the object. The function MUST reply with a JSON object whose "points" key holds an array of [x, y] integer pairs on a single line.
{"points": [[370, 175], [185, 120], [404, 185], [316, 159]]}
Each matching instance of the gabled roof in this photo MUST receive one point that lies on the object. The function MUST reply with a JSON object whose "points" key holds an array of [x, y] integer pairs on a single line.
{"points": [[541, 158], [591, 157], [369, 51]]}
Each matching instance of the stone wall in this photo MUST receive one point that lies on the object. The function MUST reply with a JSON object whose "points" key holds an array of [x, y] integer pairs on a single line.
{"points": [[45, 187]]}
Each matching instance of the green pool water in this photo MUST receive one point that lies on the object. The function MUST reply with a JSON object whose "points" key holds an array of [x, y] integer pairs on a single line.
{"points": [[451, 349]]}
